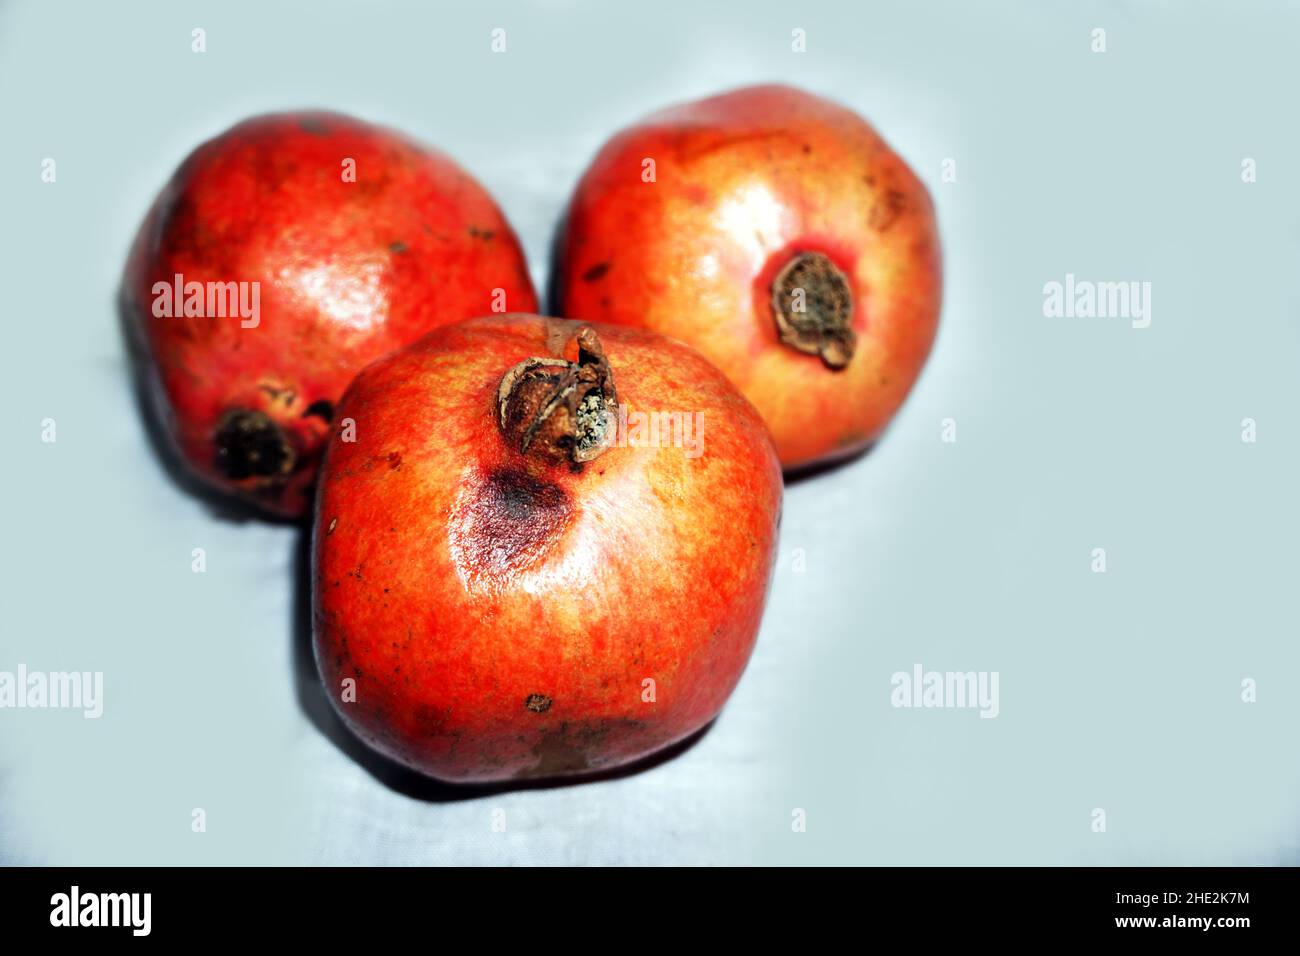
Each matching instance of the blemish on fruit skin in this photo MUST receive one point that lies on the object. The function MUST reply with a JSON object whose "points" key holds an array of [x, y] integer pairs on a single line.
{"points": [[397, 247], [313, 125], [333, 523], [537, 703], [887, 210], [394, 460], [595, 272], [503, 522]]}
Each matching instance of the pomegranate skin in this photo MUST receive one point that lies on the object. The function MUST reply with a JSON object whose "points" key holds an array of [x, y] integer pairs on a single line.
{"points": [[743, 183], [504, 616], [359, 241]]}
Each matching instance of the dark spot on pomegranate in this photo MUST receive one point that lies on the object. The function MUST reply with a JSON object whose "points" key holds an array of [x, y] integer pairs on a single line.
{"points": [[507, 522], [314, 125], [250, 445], [537, 703], [397, 248], [886, 210], [518, 496], [394, 460], [595, 272], [320, 409]]}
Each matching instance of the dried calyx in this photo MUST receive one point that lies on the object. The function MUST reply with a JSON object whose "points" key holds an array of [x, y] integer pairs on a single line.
{"points": [[249, 444], [813, 308], [557, 410]]}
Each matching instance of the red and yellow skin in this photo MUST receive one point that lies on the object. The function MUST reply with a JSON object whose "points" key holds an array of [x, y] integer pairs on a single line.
{"points": [[348, 271], [502, 613], [743, 182]]}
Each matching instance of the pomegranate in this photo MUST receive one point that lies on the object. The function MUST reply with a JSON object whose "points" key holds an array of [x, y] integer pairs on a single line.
{"points": [[778, 234], [516, 571], [282, 257]]}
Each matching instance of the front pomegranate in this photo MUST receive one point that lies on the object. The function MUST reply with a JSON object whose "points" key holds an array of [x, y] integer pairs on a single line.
{"points": [[545, 550]]}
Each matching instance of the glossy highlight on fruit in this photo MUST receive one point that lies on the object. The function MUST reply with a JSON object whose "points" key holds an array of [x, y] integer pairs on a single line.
{"points": [[516, 583], [282, 257], [778, 234]]}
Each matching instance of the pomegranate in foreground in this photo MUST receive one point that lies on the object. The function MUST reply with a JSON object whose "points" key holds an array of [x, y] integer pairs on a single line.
{"points": [[778, 234], [282, 257], [545, 553]]}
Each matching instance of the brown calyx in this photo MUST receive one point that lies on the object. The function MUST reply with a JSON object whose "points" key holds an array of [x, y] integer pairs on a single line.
{"points": [[813, 308], [249, 444], [557, 410]]}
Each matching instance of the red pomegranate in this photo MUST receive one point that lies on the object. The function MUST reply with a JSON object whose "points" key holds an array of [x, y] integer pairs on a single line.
{"points": [[282, 257], [778, 234], [516, 573]]}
